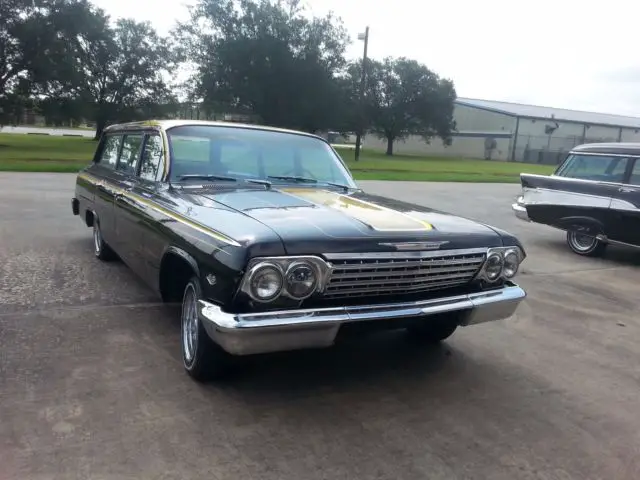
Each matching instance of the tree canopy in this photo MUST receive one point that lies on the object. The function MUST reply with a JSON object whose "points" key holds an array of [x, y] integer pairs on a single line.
{"points": [[403, 97], [268, 58]]}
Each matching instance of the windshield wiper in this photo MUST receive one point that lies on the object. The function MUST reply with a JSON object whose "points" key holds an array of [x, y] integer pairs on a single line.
{"points": [[346, 188], [207, 177], [259, 181], [294, 179]]}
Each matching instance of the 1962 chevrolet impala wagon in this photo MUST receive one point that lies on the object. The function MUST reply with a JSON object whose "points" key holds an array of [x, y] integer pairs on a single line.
{"points": [[267, 242]]}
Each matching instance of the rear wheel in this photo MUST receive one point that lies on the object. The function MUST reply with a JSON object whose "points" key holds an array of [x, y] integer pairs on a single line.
{"points": [[435, 330], [101, 250], [202, 358], [586, 245]]}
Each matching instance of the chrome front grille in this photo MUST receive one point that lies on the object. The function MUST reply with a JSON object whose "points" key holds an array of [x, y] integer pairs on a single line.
{"points": [[374, 274]]}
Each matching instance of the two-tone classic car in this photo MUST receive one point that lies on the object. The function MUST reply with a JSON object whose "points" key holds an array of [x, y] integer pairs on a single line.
{"points": [[269, 245], [594, 195]]}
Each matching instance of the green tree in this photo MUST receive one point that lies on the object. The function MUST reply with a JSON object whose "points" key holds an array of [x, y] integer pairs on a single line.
{"points": [[116, 72], [29, 34], [405, 98], [269, 58]]}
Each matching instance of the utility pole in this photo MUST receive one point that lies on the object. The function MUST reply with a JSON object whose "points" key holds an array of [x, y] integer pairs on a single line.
{"points": [[362, 36]]}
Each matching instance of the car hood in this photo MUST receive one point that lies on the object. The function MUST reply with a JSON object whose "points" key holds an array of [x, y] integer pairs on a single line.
{"points": [[315, 220]]}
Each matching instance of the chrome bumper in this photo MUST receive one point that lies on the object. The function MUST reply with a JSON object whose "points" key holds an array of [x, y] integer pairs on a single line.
{"points": [[520, 210], [252, 333]]}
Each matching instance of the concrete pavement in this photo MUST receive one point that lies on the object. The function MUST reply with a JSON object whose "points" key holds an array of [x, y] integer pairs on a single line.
{"points": [[91, 384]]}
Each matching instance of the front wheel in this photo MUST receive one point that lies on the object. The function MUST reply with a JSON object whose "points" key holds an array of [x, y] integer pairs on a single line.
{"points": [[202, 358], [586, 245]]}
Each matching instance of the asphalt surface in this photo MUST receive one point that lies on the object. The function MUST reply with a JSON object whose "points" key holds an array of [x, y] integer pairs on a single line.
{"points": [[91, 384]]}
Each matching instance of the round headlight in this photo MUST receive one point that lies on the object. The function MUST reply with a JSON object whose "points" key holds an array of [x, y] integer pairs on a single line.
{"points": [[266, 283], [493, 269], [301, 280], [511, 263]]}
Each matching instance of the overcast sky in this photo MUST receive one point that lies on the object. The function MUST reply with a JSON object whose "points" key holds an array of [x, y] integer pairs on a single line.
{"points": [[562, 53]]}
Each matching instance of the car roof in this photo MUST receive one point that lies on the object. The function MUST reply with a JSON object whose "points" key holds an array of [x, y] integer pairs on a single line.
{"points": [[619, 148], [167, 124]]}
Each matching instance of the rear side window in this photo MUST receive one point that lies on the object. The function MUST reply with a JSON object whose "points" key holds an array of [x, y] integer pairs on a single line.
{"points": [[109, 154], [601, 168], [131, 146], [635, 173], [151, 167]]}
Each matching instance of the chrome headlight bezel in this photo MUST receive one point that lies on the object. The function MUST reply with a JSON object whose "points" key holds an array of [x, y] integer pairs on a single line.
{"points": [[285, 265], [255, 271], [502, 255]]}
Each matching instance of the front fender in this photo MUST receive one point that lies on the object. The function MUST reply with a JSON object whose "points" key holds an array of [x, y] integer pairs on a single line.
{"points": [[173, 250]]}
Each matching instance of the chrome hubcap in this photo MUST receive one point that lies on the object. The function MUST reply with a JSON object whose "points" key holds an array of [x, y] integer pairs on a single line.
{"points": [[189, 324], [583, 242], [97, 238]]}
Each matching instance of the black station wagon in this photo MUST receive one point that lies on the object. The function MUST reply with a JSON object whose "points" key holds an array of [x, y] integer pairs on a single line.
{"points": [[265, 239], [594, 195]]}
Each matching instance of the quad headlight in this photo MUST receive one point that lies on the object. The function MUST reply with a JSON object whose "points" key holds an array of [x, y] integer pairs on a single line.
{"points": [[301, 280], [294, 277], [265, 282], [512, 259], [501, 262], [493, 266]]}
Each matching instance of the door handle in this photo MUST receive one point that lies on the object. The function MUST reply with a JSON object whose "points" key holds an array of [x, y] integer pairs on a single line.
{"points": [[627, 189]]}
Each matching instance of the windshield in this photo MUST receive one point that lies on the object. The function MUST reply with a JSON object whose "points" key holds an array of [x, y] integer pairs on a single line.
{"points": [[247, 153]]}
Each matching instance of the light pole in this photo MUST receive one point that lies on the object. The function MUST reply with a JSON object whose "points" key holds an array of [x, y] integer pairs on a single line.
{"points": [[362, 36]]}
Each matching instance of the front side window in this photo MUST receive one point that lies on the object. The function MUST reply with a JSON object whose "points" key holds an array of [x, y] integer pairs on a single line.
{"points": [[131, 146], [246, 153], [601, 168], [152, 159], [109, 154]]}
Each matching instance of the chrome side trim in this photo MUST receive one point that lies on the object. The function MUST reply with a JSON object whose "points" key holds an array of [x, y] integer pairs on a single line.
{"points": [[252, 333], [605, 239], [576, 180], [544, 196], [178, 217], [623, 206]]}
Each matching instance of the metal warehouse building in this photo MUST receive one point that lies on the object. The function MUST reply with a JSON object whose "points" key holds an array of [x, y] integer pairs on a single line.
{"points": [[517, 132]]}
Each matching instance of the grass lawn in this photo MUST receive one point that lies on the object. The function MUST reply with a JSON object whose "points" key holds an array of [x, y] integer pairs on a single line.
{"points": [[377, 166], [39, 153], [44, 153]]}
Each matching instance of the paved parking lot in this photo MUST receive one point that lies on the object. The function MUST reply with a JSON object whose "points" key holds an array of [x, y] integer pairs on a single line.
{"points": [[91, 384]]}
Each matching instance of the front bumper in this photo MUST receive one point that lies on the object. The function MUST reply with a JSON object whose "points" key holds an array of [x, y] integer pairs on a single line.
{"points": [[520, 210], [253, 333]]}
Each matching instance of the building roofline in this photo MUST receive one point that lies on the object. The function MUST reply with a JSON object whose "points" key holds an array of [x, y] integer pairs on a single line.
{"points": [[482, 107], [468, 102]]}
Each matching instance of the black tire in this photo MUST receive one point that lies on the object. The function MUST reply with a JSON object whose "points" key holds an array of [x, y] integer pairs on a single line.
{"points": [[202, 358], [433, 330], [585, 245], [101, 250]]}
